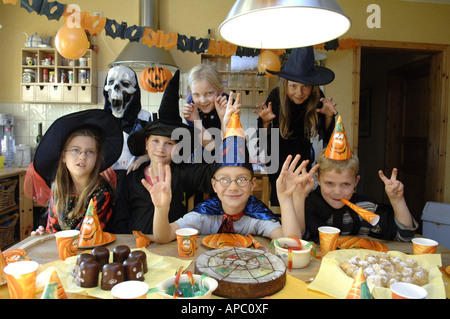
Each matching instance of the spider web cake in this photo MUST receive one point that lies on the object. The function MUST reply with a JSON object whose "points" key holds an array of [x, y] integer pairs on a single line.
{"points": [[243, 272]]}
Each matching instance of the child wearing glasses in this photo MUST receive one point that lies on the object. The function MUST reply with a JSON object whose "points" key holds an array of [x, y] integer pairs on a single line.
{"points": [[234, 210], [73, 153]]}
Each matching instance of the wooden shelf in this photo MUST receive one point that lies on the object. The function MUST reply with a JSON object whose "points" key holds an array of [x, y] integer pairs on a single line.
{"points": [[252, 87], [80, 87]]}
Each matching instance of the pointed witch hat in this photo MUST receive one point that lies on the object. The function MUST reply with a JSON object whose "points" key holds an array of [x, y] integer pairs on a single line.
{"points": [[234, 150], [54, 288], [338, 147], [168, 120], [91, 232], [300, 67], [359, 289]]}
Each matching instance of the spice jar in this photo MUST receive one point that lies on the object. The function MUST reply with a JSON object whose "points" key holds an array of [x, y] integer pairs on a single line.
{"points": [[28, 75], [45, 75]]}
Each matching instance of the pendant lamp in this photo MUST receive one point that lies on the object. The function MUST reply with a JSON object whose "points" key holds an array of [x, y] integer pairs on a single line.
{"points": [[283, 24]]}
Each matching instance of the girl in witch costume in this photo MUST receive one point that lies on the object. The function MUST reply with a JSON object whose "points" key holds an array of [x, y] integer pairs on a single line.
{"points": [[134, 208], [337, 178], [234, 209], [298, 108], [72, 159]]}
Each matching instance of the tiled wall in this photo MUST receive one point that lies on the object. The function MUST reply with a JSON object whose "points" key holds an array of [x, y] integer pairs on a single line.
{"points": [[28, 116]]}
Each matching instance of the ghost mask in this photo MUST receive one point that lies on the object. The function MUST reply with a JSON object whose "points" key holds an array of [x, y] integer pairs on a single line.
{"points": [[120, 86]]}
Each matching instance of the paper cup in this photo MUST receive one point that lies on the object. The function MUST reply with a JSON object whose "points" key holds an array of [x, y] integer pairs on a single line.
{"points": [[424, 246], [328, 237], [67, 243], [403, 290], [21, 278], [187, 241], [131, 289]]}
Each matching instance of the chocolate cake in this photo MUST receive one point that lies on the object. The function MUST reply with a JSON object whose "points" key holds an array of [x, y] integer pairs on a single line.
{"points": [[243, 272]]}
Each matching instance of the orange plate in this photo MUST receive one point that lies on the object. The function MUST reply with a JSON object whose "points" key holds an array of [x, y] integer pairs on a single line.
{"points": [[14, 255], [222, 240]]}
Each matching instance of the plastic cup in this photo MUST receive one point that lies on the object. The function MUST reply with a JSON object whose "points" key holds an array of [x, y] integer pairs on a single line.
{"points": [[187, 241], [424, 246], [131, 289], [21, 278], [67, 243], [403, 290], [328, 237]]}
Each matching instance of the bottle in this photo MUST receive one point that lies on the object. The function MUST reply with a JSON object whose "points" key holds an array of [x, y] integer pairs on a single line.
{"points": [[10, 147], [45, 75], [39, 135], [88, 35]]}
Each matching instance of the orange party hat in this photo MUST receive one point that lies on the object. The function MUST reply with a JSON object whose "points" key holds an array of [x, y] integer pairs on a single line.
{"points": [[234, 127], [234, 148], [54, 288], [91, 232], [338, 147], [359, 289], [2, 265]]}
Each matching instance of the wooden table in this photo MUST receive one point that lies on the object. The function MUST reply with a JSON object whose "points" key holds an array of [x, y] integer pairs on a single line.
{"points": [[43, 250]]}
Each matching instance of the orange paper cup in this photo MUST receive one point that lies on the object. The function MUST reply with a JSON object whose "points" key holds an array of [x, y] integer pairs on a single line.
{"points": [[187, 241], [67, 243], [403, 290], [131, 289], [328, 237], [424, 246], [21, 278]]}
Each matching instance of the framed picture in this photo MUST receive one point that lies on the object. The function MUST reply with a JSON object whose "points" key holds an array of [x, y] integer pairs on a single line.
{"points": [[365, 106]]}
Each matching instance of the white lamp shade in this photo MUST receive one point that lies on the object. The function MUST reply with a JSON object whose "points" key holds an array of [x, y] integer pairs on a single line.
{"points": [[283, 24]]}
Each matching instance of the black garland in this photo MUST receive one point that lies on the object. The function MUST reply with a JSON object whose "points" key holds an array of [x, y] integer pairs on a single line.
{"points": [[54, 11]]}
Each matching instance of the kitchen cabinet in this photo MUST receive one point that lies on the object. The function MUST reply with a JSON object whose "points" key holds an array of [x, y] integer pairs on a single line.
{"points": [[48, 77], [19, 203], [252, 87]]}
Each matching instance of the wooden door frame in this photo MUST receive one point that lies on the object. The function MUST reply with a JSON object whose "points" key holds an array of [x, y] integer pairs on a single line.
{"points": [[440, 102]]}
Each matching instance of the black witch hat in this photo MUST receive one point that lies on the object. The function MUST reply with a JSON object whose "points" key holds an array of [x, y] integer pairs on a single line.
{"points": [[106, 126], [300, 68]]}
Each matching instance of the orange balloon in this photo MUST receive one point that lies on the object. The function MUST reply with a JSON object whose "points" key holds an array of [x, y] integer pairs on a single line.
{"points": [[71, 43], [268, 60]]}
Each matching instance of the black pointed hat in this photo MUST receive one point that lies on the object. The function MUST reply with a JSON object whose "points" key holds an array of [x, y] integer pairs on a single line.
{"points": [[106, 126], [168, 120], [300, 68]]}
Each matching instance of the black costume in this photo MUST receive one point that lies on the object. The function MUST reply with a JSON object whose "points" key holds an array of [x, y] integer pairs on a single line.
{"points": [[296, 143], [319, 213], [134, 206]]}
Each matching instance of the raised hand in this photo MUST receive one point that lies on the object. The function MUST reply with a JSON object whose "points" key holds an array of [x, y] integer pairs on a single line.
{"points": [[393, 187], [221, 103], [190, 112], [160, 188], [329, 107], [231, 108], [265, 112], [295, 179]]}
